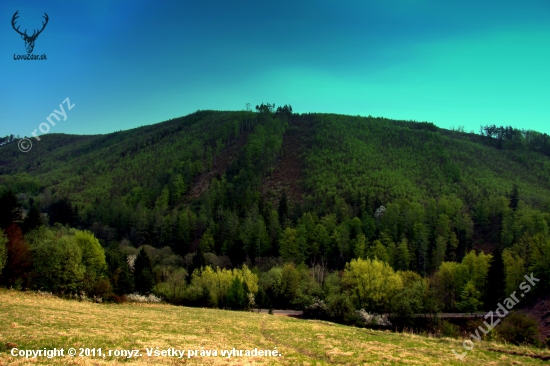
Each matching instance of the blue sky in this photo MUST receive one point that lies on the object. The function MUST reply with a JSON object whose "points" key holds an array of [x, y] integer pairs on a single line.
{"points": [[131, 63]]}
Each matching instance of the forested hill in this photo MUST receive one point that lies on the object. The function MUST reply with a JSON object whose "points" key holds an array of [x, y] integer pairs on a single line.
{"points": [[308, 188]]}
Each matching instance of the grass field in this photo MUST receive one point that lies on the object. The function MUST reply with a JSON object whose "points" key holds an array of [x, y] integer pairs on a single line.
{"points": [[30, 321]]}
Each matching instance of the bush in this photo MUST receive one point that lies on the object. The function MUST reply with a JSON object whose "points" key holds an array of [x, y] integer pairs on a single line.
{"points": [[449, 330], [114, 298], [519, 328], [340, 308], [316, 310], [373, 319], [101, 288], [135, 297]]}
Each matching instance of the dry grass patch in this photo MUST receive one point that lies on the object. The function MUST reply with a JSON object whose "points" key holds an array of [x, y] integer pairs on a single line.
{"points": [[30, 321]]}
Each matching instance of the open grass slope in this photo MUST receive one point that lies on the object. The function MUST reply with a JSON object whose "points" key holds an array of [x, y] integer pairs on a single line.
{"points": [[31, 321]]}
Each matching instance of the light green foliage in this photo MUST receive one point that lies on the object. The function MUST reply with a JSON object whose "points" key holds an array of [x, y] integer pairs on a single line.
{"points": [[217, 283], [207, 242], [402, 256], [360, 246], [469, 298], [514, 267], [373, 283], [478, 268], [451, 279], [58, 265], [93, 257], [448, 282], [378, 251], [174, 287]]}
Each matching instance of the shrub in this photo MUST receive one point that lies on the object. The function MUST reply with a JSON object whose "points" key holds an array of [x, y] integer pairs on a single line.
{"points": [[113, 298], [135, 297], [449, 330], [519, 328], [373, 319], [316, 310], [340, 308]]}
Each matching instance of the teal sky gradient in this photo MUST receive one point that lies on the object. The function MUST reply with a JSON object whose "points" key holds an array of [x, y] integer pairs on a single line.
{"points": [[130, 63]]}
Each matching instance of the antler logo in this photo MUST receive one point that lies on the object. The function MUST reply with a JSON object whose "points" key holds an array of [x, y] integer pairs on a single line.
{"points": [[29, 40]]}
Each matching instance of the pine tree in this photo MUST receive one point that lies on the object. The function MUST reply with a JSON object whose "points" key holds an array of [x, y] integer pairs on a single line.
{"points": [[32, 220], [143, 273], [10, 210], [495, 279]]}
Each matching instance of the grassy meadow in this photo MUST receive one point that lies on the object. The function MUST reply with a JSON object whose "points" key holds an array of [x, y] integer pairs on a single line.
{"points": [[32, 321]]}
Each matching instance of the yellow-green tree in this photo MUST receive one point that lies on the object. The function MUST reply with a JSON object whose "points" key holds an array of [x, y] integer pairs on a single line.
{"points": [[93, 258], [373, 283]]}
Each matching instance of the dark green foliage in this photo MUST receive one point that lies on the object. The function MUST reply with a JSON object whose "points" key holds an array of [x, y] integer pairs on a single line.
{"points": [[33, 219], [340, 308], [215, 182], [197, 263], [62, 212], [282, 209], [514, 197], [10, 210], [237, 295], [449, 330], [495, 279], [519, 328], [143, 273], [120, 276]]}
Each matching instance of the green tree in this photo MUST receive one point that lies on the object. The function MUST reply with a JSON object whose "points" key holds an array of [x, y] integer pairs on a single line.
{"points": [[58, 263], [378, 251], [448, 283], [119, 273], [514, 268], [360, 246], [93, 258], [402, 258], [469, 299], [439, 252], [143, 273], [32, 220], [237, 296], [289, 246], [207, 242], [10, 210]]}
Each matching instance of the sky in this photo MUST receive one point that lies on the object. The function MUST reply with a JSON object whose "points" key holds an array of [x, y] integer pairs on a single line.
{"points": [[125, 64]]}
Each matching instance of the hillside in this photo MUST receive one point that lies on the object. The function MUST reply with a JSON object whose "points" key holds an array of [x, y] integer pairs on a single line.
{"points": [[30, 321], [270, 188]]}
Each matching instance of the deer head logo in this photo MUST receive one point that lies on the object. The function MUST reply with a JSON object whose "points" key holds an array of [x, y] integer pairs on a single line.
{"points": [[29, 40]]}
